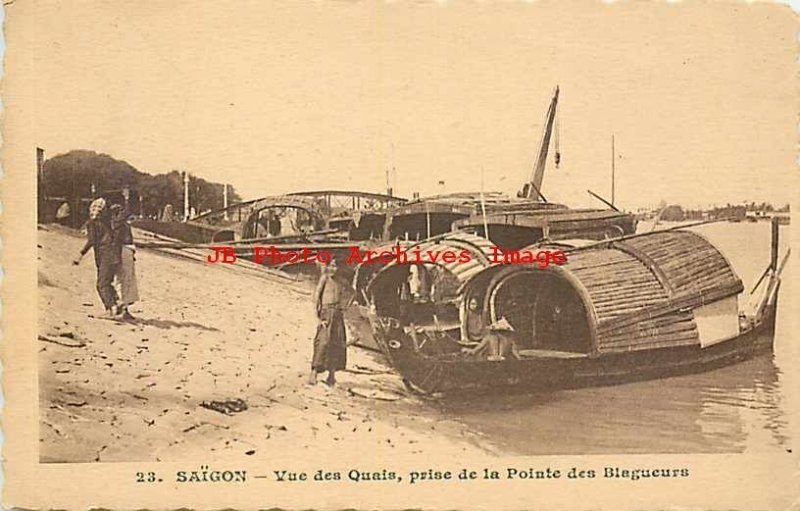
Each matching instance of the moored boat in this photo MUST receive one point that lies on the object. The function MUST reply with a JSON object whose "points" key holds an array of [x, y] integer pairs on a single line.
{"points": [[531, 217], [512, 228], [635, 307], [284, 217]]}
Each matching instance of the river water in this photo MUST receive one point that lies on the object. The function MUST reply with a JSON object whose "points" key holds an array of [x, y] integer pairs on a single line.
{"points": [[748, 407]]}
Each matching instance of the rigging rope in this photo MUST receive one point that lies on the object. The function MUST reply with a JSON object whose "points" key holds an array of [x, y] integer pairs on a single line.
{"points": [[558, 137]]}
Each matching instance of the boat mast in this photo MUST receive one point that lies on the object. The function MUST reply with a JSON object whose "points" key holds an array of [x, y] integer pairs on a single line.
{"points": [[533, 188]]}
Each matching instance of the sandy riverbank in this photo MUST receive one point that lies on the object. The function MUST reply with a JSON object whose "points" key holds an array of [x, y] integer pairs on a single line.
{"points": [[132, 392]]}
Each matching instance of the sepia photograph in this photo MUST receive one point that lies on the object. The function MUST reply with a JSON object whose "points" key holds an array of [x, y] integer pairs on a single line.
{"points": [[299, 249]]}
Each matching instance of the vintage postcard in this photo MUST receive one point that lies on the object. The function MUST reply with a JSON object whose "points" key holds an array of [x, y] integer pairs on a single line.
{"points": [[389, 255]]}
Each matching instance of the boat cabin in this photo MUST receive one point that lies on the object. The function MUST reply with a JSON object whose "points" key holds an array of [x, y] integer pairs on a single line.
{"points": [[280, 217]]}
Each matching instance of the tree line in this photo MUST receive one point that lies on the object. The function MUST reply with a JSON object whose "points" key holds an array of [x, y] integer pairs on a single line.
{"points": [[78, 176], [674, 212]]}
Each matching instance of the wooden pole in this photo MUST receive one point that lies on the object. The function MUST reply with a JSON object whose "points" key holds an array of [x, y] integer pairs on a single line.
{"points": [[185, 196], [761, 279], [428, 219], [609, 204], [225, 200], [483, 210], [613, 171], [40, 188], [774, 255], [40, 171], [238, 246], [640, 234]]}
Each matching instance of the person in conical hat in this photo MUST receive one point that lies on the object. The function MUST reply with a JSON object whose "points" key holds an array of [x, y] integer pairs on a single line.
{"points": [[497, 344], [501, 324], [96, 208]]}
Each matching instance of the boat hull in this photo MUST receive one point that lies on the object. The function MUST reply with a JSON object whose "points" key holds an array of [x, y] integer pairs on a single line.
{"points": [[454, 373]]}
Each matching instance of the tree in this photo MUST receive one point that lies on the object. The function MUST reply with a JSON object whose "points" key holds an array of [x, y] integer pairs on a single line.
{"points": [[71, 177], [672, 213], [159, 190]]}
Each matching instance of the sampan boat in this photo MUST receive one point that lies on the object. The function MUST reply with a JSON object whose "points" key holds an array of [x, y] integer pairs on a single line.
{"points": [[632, 308]]}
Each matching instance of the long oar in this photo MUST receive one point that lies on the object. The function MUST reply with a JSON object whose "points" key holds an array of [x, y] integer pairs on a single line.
{"points": [[610, 205]]}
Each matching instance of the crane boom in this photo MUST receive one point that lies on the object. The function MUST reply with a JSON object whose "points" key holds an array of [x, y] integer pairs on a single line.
{"points": [[532, 189]]}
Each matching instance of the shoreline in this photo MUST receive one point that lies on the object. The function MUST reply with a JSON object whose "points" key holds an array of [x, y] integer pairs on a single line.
{"points": [[205, 335]]}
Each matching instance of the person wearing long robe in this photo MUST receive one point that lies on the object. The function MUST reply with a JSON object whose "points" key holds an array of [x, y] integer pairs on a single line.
{"points": [[331, 298], [107, 254], [126, 277]]}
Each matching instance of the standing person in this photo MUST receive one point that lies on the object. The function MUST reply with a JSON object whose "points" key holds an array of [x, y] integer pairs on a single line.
{"points": [[126, 277], [331, 298], [414, 283], [106, 253]]}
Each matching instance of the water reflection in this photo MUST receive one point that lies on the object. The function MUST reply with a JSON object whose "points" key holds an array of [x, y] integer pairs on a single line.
{"points": [[710, 412]]}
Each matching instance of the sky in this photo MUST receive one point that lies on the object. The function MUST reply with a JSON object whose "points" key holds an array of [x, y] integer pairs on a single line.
{"points": [[288, 96]]}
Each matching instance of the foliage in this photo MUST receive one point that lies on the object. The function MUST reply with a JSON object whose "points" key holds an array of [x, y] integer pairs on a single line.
{"points": [[672, 213], [71, 176]]}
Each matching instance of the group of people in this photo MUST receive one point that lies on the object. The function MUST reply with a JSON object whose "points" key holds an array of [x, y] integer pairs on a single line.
{"points": [[333, 296], [282, 221], [109, 236]]}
